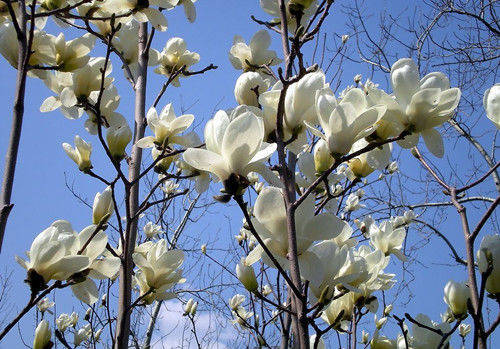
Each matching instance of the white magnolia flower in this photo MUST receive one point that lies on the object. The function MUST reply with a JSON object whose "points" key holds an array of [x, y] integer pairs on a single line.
{"points": [[353, 203], [364, 164], [266, 290], [92, 243], [272, 8], [270, 223], [151, 230], [82, 335], [344, 122], [57, 82], [256, 54], [234, 147], [201, 178], [299, 100], [42, 336], [103, 206], [158, 271], [246, 275], [175, 56], [110, 100], [464, 330], [489, 255], [236, 301], [45, 304], [117, 138], [73, 54], [344, 304], [53, 256], [388, 239], [166, 128], [426, 103], [41, 47], [86, 80], [456, 295], [322, 158], [423, 338], [241, 316], [248, 87], [64, 321], [491, 103], [80, 154]]}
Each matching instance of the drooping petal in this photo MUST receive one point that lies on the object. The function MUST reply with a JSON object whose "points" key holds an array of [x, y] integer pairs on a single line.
{"points": [[434, 142], [206, 160], [86, 291]]}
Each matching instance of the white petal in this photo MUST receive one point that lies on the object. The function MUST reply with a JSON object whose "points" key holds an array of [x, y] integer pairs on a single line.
{"points": [[86, 291], [434, 142]]}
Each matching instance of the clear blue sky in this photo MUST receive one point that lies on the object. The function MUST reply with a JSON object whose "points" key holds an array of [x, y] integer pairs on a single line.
{"points": [[40, 195]]}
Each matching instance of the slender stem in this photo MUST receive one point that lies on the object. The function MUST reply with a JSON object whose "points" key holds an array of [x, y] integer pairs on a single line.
{"points": [[23, 55], [132, 195]]}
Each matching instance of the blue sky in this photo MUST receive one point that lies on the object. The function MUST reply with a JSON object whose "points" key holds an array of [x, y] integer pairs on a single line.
{"points": [[40, 195]]}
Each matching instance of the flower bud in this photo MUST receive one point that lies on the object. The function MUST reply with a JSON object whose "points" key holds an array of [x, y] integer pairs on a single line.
{"points": [[357, 78], [388, 309], [103, 300], [188, 306], [322, 158], [42, 336], [246, 275], [80, 154], [365, 337], [44, 305], [456, 295], [118, 137], [87, 314], [345, 37], [164, 164], [103, 206], [97, 335], [194, 308], [204, 249], [380, 323], [73, 319], [248, 88], [488, 259]]}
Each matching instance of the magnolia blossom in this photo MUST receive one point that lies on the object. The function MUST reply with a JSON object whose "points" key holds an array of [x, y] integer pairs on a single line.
{"points": [[246, 275], [456, 295], [53, 256], [73, 54], [86, 80], [57, 82], [175, 56], [82, 335], [92, 243], [310, 166], [248, 87], [344, 122], [44, 305], [322, 158], [343, 304], [464, 330], [388, 239], [110, 99], [126, 42], [151, 230], [41, 47], [166, 128], [270, 223], [489, 256], [103, 206], [42, 336], [189, 8], [144, 12], [241, 316], [64, 321], [272, 8], [236, 301], [367, 162], [426, 103], [80, 154], [299, 100], [253, 56], [422, 338], [234, 147], [158, 271], [117, 138], [491, 103]]}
